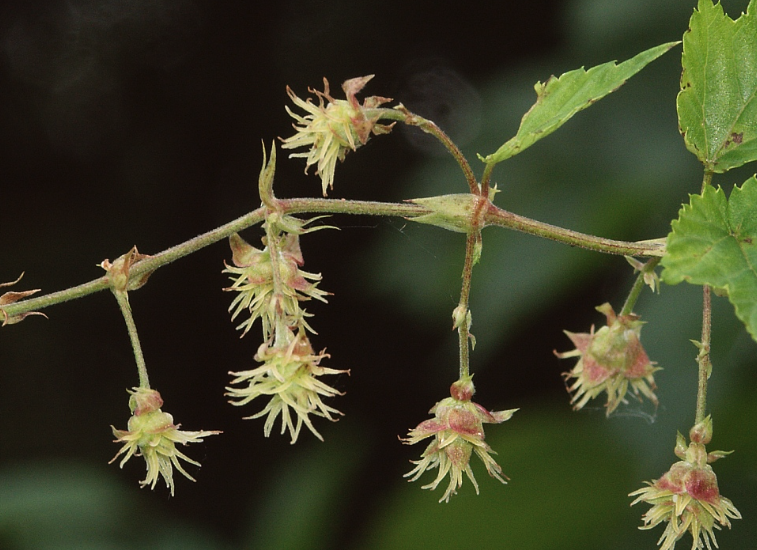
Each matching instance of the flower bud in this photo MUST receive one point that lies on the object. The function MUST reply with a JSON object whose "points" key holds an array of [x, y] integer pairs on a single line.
{"points": [[702, 432]]}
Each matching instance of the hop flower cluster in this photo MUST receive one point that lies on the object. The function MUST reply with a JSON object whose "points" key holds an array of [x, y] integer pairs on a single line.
{"points": [[457, 430], [289, 375], [610, 360], [153, 435], [333, 127], [687, 497], [253, 276]]}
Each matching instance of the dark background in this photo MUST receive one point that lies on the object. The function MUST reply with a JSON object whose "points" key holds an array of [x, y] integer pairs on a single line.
{"points": [[140, 122]]}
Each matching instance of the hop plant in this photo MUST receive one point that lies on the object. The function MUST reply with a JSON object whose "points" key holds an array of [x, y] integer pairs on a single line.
{"points": [[153, 435], [687, 497], [333, 127], [610, 360], [289, 375], [457, 430], [253, 278]]}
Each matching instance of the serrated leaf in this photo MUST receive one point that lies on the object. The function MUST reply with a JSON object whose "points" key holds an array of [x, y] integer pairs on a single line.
{"points": [[558, 99], [714, 242], [717, 104]]}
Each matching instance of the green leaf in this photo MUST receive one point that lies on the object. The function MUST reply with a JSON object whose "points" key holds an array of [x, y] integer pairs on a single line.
{"points": [[714, 242], [558, 99], [717, 104]]}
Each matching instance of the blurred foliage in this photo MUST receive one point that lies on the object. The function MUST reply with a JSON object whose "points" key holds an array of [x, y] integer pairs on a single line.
{"points": [[146, 130]]}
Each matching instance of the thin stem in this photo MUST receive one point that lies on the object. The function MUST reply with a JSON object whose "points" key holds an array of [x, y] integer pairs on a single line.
{"points": [[462, 320], [486, 177], [503, 218], [638, 285], [703, 358], [402, 114], [123, 302]]}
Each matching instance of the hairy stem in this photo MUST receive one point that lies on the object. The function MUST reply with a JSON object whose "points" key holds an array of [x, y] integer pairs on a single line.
{"points": [[402, 114], [703, 358], [123, 303], [494, 216], [503, 218], [463, 329]]}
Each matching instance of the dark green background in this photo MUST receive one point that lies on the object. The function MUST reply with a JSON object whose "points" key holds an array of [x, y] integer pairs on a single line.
{"points": [[139, 122]]}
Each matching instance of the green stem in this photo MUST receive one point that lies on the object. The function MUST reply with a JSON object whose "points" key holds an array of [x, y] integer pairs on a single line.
{"points": [[402, 114], [703, 358], [463, 330], [706, 180], [494, 216], [638, 285], [503, 218], [123, 302]]}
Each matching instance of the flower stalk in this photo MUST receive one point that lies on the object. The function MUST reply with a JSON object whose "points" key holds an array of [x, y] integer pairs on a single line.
{"points": [[123, 303], [703, 357]]}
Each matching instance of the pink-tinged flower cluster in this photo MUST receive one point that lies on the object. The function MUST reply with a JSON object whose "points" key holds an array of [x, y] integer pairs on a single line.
{"points": [[611, 360], [289, 376], [457, 430], [152, 435], [687, 497], [333, 127], [253, 278]]}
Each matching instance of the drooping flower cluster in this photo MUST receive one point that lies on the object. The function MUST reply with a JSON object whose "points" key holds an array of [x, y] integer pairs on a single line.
{"points": [[333, 127], [457, 430], [687, 497], [610, 360], [152, 434], [253, 276], [289, 375]]}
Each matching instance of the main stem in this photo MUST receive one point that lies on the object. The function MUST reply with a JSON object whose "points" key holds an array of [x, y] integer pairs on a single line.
{"points": [[123, 302], [494, 216]]}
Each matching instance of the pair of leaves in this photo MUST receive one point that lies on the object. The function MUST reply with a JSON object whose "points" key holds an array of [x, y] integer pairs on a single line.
{"points": [[714, 239], [717, 105]]}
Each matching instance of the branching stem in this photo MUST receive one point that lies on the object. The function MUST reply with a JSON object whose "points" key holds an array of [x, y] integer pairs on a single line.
{"points": [[494, 216]]}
